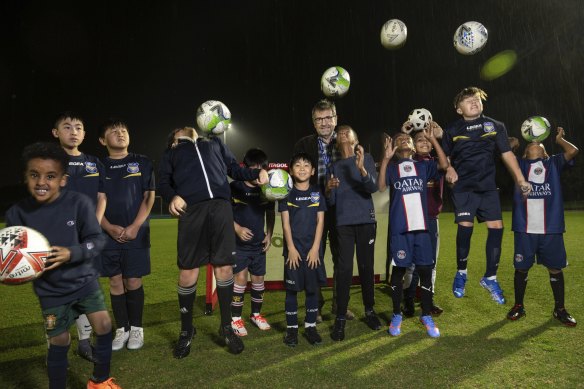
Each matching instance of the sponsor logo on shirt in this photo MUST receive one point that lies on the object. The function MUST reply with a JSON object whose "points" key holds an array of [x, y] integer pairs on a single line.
{"points": [[463, 214], [474, 127], [90, 167], [540, 190], [488, 127], [133, 167], [409, 185]]}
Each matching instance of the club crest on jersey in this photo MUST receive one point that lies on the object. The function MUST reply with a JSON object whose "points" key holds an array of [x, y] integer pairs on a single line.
{"points": [[488, 127], [90, 167], [401, 254], [407, 168], [315, 197], [537, 171], [518, 258], [133, 167]]}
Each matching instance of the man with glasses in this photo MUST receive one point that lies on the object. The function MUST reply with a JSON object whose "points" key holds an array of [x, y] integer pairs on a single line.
{"points": [[321, 148]]}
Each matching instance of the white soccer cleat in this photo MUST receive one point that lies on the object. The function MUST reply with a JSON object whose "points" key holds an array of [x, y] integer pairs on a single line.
{"points": [[121, 339], [260, 322], [136, 338], [239, 327]]}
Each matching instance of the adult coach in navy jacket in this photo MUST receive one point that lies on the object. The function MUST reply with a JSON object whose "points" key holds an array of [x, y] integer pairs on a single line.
{"points": [[193, 180]]}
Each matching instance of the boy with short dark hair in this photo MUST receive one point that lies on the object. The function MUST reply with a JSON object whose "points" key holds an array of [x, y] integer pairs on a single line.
{"points": [[302, 225], [85, 174], [126, 257], [538, 223], [250, 209], [69, 285], [410, 240]]}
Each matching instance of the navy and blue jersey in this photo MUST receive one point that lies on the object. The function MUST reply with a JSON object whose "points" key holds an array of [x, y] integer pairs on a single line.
{"points": [[408, 181], [352, 198], [127, 180], [70, 222], [303, 207], [197, 171], [543, 210], [249, 210], [471, 146], [86, 174]]}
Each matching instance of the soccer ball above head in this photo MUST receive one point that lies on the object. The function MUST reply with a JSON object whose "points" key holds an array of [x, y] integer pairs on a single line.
{"points": [[535, 129], [393, 34], [213, 117], [335, 82], [420, 118], [470, 38], [23, 254], [278, 186]]}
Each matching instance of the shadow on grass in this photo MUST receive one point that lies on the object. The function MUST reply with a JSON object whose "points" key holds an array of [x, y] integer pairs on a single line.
{"points": [[31, 373]]}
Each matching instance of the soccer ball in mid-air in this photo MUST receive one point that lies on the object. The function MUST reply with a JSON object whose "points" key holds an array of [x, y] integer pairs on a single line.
{"points": [[213, 117], [393, 34], [535, 129], [278, 186], [23, 252], [470, 38], [335, 82], [419, 118]]}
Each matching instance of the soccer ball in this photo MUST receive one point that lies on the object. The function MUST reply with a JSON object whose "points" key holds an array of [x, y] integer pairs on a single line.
{"points": [[213, 117], [23, 252], [470, 38], [278, 186], [335, 82], [535, 129], [393, 34], [420, 118]]}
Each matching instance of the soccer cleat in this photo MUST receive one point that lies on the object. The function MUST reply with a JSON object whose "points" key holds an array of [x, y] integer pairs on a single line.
{"points": [[291, 337], [338, 332], [349, 315], [436, 310], [372, 320], [493, 287], [107, 384], [408, 309], [232, 341], [431, 328], [312, 336], [85, 350], [120, 339], [260, 321], [136, 340], [238, 327], [459, 284], [564, 317], [183, 346], [395, 325], [516, 313]]}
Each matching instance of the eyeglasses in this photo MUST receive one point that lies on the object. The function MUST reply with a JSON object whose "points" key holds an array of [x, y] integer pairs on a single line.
{"points": [[324, 119]]}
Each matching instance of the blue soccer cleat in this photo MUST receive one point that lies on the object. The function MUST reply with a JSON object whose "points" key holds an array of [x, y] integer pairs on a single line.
{"points": [[395, 325], [458, 284], [431, 328], [493, 287]]}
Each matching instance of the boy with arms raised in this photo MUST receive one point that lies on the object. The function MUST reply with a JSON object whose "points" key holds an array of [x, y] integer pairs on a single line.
{"points": [[471, 143], [126, 257], [538, 223], [408, 218], [69, 285], [85, 174], [250, 210]]}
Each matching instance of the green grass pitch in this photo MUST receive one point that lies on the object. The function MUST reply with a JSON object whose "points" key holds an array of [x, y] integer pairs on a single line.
{"points": [[478, 346]]}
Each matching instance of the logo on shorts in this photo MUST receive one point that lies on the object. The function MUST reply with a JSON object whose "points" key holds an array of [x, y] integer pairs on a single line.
{"points": [[401, 254], [50, 322], [133, 167], [90, 245], [315, 197], [518, 258], [90, 167], [538, 170], [488, 127], [463, 214], [71, 223], [371, 241], [291, 282]]}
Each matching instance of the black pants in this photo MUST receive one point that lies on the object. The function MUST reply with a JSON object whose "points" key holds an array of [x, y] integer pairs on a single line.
{"points": [[362, 238], [330, 231]]}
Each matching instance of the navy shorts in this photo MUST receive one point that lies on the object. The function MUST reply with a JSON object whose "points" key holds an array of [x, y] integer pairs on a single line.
{"points": [[304, 278], [548, 249], [133, 263], [412, 248], [486, 206], [206, 235], [255, 263]]}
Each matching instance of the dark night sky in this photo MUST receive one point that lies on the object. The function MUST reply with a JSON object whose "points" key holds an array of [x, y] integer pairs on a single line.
{"points": [[152, 65]]}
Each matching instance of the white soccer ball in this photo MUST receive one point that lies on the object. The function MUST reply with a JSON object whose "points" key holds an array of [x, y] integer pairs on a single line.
{"points": [[213, 117], [536, 129], [393, 34], [23, 253], [470, 38], [335, 82], [420, 118], [278, 186]]}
